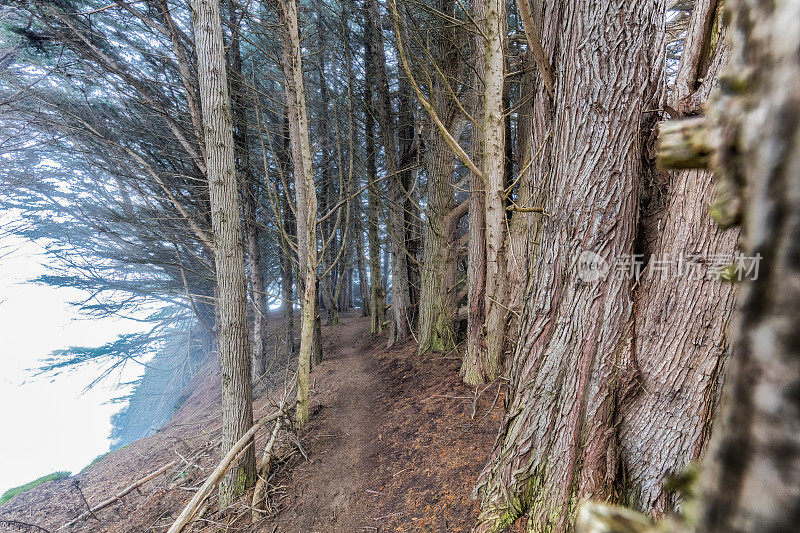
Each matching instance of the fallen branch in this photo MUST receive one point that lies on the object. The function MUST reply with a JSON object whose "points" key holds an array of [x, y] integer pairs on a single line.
{"points": [[118, 497], [233, 455], [23, 526], [260, 492]]}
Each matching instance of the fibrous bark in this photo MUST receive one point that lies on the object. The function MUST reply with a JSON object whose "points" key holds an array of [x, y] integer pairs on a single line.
{"points": [[377, 302], [234, 349], [487, 274], [437, 305], [572, 365], [682, 321], [305, 195], [248, 196]]}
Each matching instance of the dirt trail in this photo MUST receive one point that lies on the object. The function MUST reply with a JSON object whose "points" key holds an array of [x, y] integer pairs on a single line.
{"points": [[345, 392], [395, 443]]}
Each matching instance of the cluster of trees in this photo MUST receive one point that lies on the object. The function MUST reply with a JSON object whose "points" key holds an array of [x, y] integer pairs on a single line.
{"points": [[440, 164]]}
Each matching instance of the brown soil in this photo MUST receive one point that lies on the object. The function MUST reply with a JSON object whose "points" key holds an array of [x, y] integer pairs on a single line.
{"points": [[395, 443]]}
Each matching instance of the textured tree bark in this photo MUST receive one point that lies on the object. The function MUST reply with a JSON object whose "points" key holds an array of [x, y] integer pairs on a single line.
{"points": [[681, 347], [695, 57], [487, 320], [396, 195], [437, 306], [517, 245], [248, 196], [377, 302], [234, 349], [681, 322], [754, 459], [306, 197], [437, 294], [408, 162], [572, 365]]}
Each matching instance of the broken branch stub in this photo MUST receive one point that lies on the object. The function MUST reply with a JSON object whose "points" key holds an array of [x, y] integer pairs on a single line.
{"points": [[685, 144]]}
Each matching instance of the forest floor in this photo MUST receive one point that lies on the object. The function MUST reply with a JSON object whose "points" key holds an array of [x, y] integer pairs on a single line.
{"points": [[395, 443]]}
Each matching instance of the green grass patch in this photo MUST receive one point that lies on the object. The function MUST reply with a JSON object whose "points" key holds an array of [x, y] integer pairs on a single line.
{"points": [[10, 493]]}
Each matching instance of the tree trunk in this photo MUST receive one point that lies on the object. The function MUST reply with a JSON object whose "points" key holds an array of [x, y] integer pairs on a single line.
{"points": [[377, 302], [248, 195], [530, 147], [234, 349], [400, 300], [327, 282], [681, 326], [361, 263], [437, 306], [285, 250], [437, 303], [305, 194], [408, 162], [486, 337], [572, 365]]}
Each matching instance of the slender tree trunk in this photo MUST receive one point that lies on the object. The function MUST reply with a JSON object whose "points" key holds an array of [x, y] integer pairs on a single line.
{"points": [[248, 195], [408, 162], [400, 300], [363, 280], [377, 302], [234, 349], [486, 335], [327, 282], [517, 236], [306, 195], [289, 231], [572, 366]]}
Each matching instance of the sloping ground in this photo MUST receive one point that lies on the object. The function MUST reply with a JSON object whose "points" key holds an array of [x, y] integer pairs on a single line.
{"points": [[395, 443]]}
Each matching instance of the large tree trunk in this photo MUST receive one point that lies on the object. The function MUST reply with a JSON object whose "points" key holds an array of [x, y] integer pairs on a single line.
{"points": [[572, 365], [681, 326], [750, 481], [437, 306], [305, 194], [234, 349], [396, 196]]}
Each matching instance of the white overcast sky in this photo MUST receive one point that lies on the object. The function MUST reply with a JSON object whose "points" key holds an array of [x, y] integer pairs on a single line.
{"points": [[47, 424]]}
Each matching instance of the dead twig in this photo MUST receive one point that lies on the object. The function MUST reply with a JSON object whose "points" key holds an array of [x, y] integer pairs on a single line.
{"points": [[118, 497]]}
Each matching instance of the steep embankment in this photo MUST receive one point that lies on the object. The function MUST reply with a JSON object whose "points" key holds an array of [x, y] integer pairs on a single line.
{"points": [[395, 444]]}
